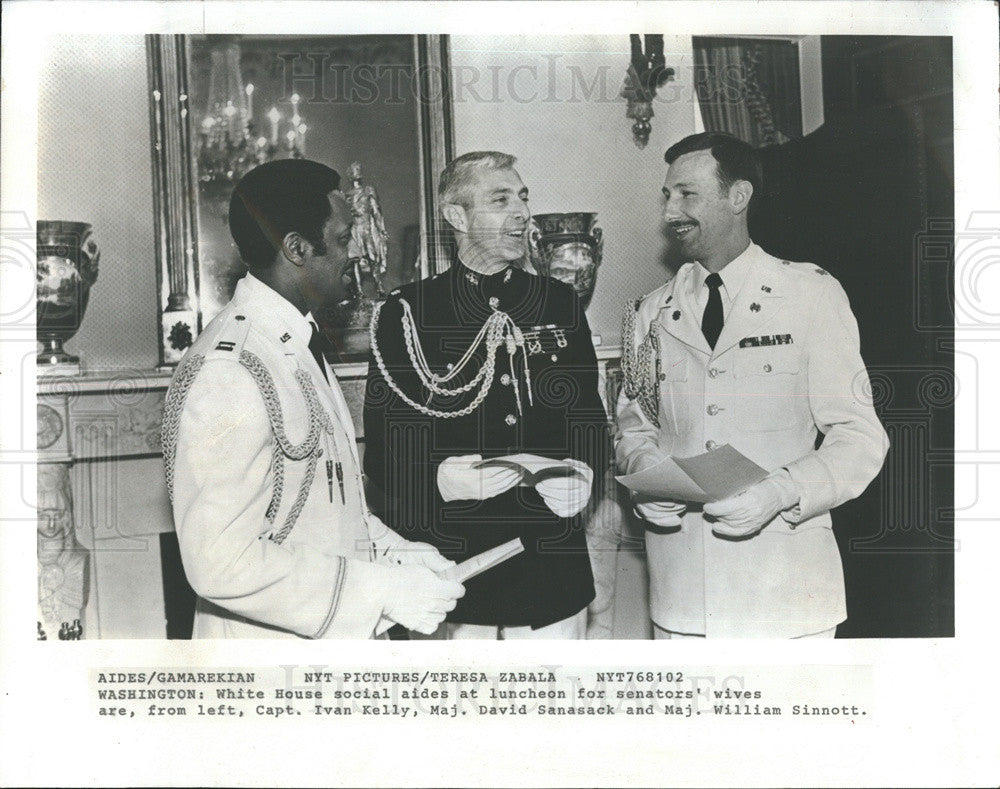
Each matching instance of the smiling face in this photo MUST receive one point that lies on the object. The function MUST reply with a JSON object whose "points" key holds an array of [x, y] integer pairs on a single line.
{"points": [[492, 229], [700, 214], [326, 274]]}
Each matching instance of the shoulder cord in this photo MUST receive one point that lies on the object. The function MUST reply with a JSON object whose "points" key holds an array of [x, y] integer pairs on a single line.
{"points": [[173, 404], [637, 364], [319, 421], [498, 329]]}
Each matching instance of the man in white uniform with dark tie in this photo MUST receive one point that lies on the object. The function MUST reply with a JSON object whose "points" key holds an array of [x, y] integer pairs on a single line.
{"points": [[763, 354]]}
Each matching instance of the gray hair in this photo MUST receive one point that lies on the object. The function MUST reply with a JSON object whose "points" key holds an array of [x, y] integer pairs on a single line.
{"points": [[460, 173]]}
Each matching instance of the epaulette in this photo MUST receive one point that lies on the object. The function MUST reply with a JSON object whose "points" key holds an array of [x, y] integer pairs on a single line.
{"points": [[231, 338], [806, 268]]}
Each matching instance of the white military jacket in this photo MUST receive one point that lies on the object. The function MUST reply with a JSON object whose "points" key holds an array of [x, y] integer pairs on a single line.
{"points": [[269, 552], [786, 367]]}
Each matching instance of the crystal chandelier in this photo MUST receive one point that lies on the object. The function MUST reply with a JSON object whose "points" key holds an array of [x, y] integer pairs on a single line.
{"points": [[229, 143]]}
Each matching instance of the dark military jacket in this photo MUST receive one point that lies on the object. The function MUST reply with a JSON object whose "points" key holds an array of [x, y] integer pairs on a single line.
{"points": [[552, 579]]}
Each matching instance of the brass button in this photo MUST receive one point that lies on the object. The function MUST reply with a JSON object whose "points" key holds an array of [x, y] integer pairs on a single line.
{"points": [[713, 372], [663, 376], [713, 409], [554, 358], [767, 368], [510, 419], [505, 379], [710, 445]]}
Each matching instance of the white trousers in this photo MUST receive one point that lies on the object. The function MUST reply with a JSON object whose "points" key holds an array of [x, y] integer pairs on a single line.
{"points": [[660, 633], [574, 627]]}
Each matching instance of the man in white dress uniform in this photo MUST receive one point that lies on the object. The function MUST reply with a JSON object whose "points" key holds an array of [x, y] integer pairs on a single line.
{"points": [[762, 354], [262, 464]]}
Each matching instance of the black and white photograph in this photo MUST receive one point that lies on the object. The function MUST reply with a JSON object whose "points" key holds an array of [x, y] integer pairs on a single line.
{"points": [[585, 326]]}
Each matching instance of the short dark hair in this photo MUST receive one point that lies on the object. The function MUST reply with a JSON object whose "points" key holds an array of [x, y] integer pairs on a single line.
{"points": [[735, 160], [278, 198]]}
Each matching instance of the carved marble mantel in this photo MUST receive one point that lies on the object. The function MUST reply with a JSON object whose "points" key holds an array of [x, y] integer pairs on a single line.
{"points": [[88, 425]]}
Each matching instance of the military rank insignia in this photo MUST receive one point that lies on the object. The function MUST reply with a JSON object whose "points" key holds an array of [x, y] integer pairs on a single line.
{"points": [[766, 341]]}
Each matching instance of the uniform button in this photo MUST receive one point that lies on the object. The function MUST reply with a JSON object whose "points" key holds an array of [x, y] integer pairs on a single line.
{"points": [[554, 358], [450, 365], [713, 409], [510, 419], [505, 379], [713, 372], [767, 368], [710, 445], [663, 376]]}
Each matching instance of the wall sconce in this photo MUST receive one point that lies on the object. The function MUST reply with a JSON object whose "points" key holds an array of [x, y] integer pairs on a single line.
{"points": [[646, 73]]}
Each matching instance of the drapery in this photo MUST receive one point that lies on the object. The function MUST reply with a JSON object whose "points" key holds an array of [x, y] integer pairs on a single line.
{"points": [[749, 88]]}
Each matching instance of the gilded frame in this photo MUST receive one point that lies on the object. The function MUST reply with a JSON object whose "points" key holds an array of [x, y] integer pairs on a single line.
{"points": [[175, 196]]}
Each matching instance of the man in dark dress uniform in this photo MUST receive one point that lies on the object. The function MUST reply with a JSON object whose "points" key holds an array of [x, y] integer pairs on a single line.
{"points": [[436, 405]]}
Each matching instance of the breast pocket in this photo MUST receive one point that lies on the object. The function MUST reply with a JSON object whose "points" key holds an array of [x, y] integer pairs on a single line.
{"points": [[675, 399], [555, 383], [770, 391]]}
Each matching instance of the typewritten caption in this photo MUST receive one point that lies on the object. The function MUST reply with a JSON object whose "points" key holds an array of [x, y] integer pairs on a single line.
{"points": [[818, 693]]}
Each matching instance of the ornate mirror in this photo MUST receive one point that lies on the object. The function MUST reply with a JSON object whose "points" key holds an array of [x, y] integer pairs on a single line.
{"points": [[373, 107]]}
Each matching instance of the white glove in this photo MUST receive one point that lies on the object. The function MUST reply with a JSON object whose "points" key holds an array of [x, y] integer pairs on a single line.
{"points": [[755, 507], [566, 496], [414, 553], [418, 599], [458, 480], [661, 513]]}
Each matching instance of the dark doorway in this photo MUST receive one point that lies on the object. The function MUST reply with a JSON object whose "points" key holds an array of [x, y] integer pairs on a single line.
{"points": [[869, 196]]}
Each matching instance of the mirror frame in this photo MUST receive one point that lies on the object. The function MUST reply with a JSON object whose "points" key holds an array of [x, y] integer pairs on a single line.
{"points": [[175, 192]]}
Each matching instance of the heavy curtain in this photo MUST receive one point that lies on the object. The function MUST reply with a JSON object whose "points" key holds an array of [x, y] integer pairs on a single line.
{"points": [[749, 88]]}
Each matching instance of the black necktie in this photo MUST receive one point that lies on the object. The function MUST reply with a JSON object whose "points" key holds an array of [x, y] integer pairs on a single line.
{"points": [[711, 321], [316, 345]]}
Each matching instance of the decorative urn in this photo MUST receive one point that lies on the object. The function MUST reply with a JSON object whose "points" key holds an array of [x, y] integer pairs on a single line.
{"points": [[67, 257], [569, 246]]}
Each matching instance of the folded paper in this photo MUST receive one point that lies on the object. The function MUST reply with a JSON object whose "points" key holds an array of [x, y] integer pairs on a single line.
{"points": [[711, 476]]}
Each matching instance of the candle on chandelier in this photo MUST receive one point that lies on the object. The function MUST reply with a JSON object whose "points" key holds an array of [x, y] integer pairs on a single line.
{"points": [[274, 116], [249, 92]]}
